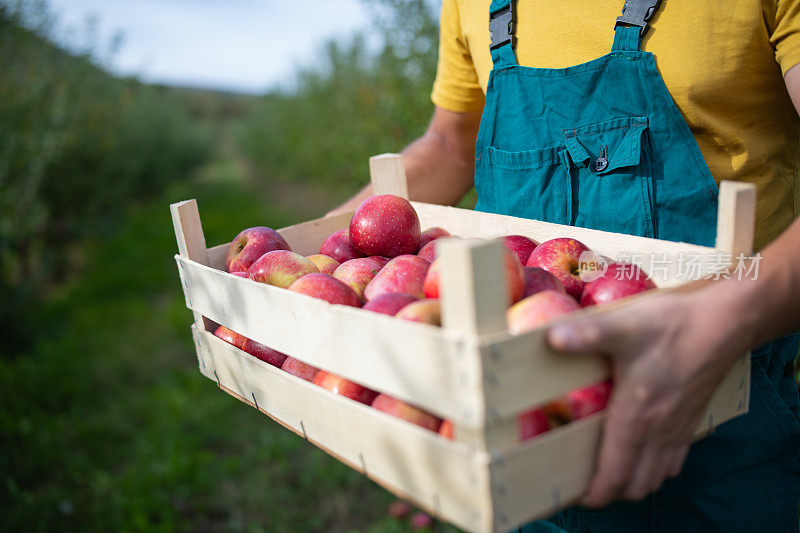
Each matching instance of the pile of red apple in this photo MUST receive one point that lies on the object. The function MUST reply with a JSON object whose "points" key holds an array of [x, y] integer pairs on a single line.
{"points": [[385, 264]]}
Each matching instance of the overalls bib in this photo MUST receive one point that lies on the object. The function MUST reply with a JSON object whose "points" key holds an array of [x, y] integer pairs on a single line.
{"points": [[602, 145]]}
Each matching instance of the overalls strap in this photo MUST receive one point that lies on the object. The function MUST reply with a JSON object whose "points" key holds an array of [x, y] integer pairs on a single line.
{"points": [[633, 23], [502, 25]]}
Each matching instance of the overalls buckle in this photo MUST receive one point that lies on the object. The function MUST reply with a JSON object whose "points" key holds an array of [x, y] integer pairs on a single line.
{"points": [[638, 13], [501, 27]]}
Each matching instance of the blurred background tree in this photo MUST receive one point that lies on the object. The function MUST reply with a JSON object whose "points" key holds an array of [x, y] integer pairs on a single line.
{"points": [[105, 422]]}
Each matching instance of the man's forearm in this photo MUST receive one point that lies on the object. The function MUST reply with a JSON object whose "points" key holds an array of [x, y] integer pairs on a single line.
{"points": [[769, 306], [440, 164]]}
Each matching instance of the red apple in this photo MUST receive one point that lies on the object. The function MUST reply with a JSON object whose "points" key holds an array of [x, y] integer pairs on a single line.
{"points": [[430, 235], [404, 274], [619, 281], [251, 244], [515, 282], [325, 264], [426, 311], [300, 369], [326, 288], [532, 422], [389, 303], [280, 268], [357, 273], [520, 245], [538, 280], [399, 509], [580, 403], [381, 260], [446, 429], [561, 257], [265, 353], [539, 309], [339, 247], [385, 225], [407, 412], [229, 336], [428, 252], [350, 389], [241, 273]]}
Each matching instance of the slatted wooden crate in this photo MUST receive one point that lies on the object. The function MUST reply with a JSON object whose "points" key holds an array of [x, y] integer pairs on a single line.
{"points": [[471, 370]]}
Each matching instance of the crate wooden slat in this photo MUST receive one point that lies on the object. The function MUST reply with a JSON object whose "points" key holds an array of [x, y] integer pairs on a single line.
{"points": [[470, 371]]}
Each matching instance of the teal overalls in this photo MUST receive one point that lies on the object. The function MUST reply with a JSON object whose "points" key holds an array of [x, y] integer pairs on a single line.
{"points": [[603, 145]]}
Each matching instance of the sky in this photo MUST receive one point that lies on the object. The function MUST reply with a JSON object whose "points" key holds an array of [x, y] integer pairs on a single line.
{"points": [[238, 45]]}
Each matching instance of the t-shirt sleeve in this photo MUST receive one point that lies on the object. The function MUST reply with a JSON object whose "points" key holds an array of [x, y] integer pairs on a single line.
{"points": [[785, 36], [456, 87]]}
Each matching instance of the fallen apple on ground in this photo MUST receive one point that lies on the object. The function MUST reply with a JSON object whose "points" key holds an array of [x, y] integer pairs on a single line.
{"points": [[300, 369], [561, 257], [280, 268], [344, 387], [539, 309], [618, 281], [324, 263], [326, 287], [251, 244], [407, 412], [339, 247], [404, 274], [385, 225]]}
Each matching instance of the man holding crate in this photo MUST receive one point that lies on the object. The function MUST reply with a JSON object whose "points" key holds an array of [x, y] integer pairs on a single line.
{"points": [[572, 114]]}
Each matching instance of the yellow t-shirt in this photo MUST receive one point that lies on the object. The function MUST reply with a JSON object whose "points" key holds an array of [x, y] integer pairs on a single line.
{"points": [[723, 62]]}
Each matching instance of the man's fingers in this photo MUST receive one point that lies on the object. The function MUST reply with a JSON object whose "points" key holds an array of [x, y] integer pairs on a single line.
{"points": [[648, 474], [584, 336], [619, 453], [677, 460]]}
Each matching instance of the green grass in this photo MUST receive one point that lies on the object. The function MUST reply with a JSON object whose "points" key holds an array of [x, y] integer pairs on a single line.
{"points": [[107, 424]]}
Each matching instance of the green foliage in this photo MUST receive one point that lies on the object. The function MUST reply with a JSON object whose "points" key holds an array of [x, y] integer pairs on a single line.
{"points": [[76, 146], [361, 100]]}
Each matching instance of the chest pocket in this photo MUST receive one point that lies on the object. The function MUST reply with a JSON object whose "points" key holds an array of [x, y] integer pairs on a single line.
{"points": [[611, 176], [599, 176]]}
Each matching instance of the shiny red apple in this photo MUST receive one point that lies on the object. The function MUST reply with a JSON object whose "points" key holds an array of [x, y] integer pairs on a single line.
{"points": [[326, 288], [404, 274], [426, 311], [580, 403], [385, 225], [619, 281], [389, 303], [357, 273], [230, 336], [538, 280], [339, 247], [344, 387], [532, 422], [280, 268], [251, 244], [265, 353], [561, 257], [430, 235], [298, 368], [324, 263], [515, 282], [520, 245], [539, 309], [407, 412]]}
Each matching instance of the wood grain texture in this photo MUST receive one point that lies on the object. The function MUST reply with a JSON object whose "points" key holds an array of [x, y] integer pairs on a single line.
{"points": [[418, 363], [388, 175], [443, 476]]}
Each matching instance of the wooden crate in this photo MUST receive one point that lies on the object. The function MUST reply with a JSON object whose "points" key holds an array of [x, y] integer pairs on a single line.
{"points": [[471, 370]]}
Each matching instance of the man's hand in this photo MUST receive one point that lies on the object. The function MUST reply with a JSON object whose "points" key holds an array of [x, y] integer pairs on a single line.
{"points": [[668, 354]]}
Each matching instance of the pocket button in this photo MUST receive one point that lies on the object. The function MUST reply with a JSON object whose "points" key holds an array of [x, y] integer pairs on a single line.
{"points": [[600, 164]]}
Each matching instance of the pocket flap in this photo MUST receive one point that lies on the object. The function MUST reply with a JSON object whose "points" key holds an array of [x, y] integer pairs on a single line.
{"points": [[619, 141]]}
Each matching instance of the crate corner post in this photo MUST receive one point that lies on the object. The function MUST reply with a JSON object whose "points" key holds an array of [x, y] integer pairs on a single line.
{"points": [[191, 244], [388, 175], [472, 307], [736, 218]]}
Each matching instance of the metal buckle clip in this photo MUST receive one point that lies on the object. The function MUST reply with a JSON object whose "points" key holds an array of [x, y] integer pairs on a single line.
{"points": [[638, 13], [501, 27]]}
